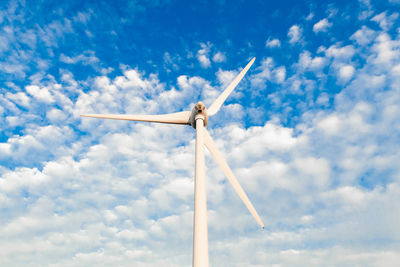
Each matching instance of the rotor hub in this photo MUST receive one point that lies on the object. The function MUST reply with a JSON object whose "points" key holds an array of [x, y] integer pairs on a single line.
{"points": [[199, 112]]}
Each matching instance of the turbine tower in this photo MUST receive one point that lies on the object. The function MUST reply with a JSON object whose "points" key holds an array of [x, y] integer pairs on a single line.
{"points": [[198, 119]]}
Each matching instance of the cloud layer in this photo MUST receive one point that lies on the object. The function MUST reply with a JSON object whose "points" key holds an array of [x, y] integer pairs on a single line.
{"points": [[312, 137]]}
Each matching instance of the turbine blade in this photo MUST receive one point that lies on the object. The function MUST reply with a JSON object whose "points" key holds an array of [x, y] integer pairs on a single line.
{"points": [[221, 99], [173, 118], [212, 147]]}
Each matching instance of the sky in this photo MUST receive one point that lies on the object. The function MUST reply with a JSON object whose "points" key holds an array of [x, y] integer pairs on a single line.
{"points": [[311, 132]]}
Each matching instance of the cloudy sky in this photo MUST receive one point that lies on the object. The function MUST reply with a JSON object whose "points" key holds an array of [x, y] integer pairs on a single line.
{"points": [[311, 132]]}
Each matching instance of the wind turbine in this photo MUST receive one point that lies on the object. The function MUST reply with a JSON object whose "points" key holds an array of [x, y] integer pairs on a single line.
{"points": [[198, 119]]}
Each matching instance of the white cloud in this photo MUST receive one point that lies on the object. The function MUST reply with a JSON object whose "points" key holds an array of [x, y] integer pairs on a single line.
{"points": [[386, 50], [323, 99], [204, 60], [203, 55], [363, 36], [318, 170], [273, 43], [306, 62], [51, 33], [192, 87], [346, 73], [322, 26], [295, 34], [265, 72], [171, 62], [280, 74], [86, 58], [42, 94], [384, 21], [341, 53], [330, 124], [396, 70], [83, 17], [19, 98], [219, 57], [56, 115], [5, 149], [317, 63]]}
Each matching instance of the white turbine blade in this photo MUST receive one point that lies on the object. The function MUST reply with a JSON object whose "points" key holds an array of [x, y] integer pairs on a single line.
{"points": [[221, 99], [212, 147], [173, 118]]}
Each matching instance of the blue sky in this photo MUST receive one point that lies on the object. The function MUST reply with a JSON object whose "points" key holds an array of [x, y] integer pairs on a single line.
{"points": [[311, 132]]}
